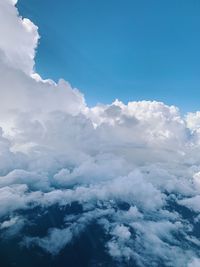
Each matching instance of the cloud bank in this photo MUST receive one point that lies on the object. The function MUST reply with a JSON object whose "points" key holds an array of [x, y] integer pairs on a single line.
{"points": [[132, 170]]}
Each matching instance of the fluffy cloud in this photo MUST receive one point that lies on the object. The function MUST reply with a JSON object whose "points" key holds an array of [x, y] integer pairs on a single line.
{"points": [[20, 85], [194, 263], [20, 32], [131, 170]]}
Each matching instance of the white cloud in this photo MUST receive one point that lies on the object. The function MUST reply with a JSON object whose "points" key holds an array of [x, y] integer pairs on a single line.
{"points": [[194, 263], [9, 223], [121, 232], [192, 203], [54, 242], [20, 32], [11, 227]]}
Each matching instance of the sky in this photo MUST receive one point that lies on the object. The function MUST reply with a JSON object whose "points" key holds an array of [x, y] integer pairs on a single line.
{"points": [[130, 50], [115, 184]]}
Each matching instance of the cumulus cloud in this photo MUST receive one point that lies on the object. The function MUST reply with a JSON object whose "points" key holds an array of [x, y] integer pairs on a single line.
{"points": [[194, 263], [21, 32], [131, 169]]}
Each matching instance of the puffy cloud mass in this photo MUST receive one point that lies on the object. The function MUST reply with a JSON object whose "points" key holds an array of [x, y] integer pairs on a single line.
{"points": [[128, 173]]}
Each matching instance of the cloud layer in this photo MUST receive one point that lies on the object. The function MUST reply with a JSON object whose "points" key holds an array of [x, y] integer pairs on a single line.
{"points": [[132, 170]]}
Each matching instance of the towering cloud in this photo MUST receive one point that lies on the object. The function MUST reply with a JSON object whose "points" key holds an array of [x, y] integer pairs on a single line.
{"points": [[132, 170]]}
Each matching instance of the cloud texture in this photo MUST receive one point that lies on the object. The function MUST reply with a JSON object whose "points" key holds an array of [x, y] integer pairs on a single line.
{"points": [[132, 170]]}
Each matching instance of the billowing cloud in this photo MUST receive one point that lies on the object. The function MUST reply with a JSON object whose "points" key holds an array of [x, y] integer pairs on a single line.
{"points": [[128, 171], [19, 38]]}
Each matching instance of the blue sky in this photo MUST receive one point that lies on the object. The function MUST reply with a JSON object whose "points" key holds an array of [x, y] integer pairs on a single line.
{"points": [[125, 49]]}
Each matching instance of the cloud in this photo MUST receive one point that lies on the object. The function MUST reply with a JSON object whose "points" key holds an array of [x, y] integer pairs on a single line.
{"points": [[130, 169], [20, 85], [11, 227], [54, 242], [192, 203], [194, 263], [21, 32]]}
